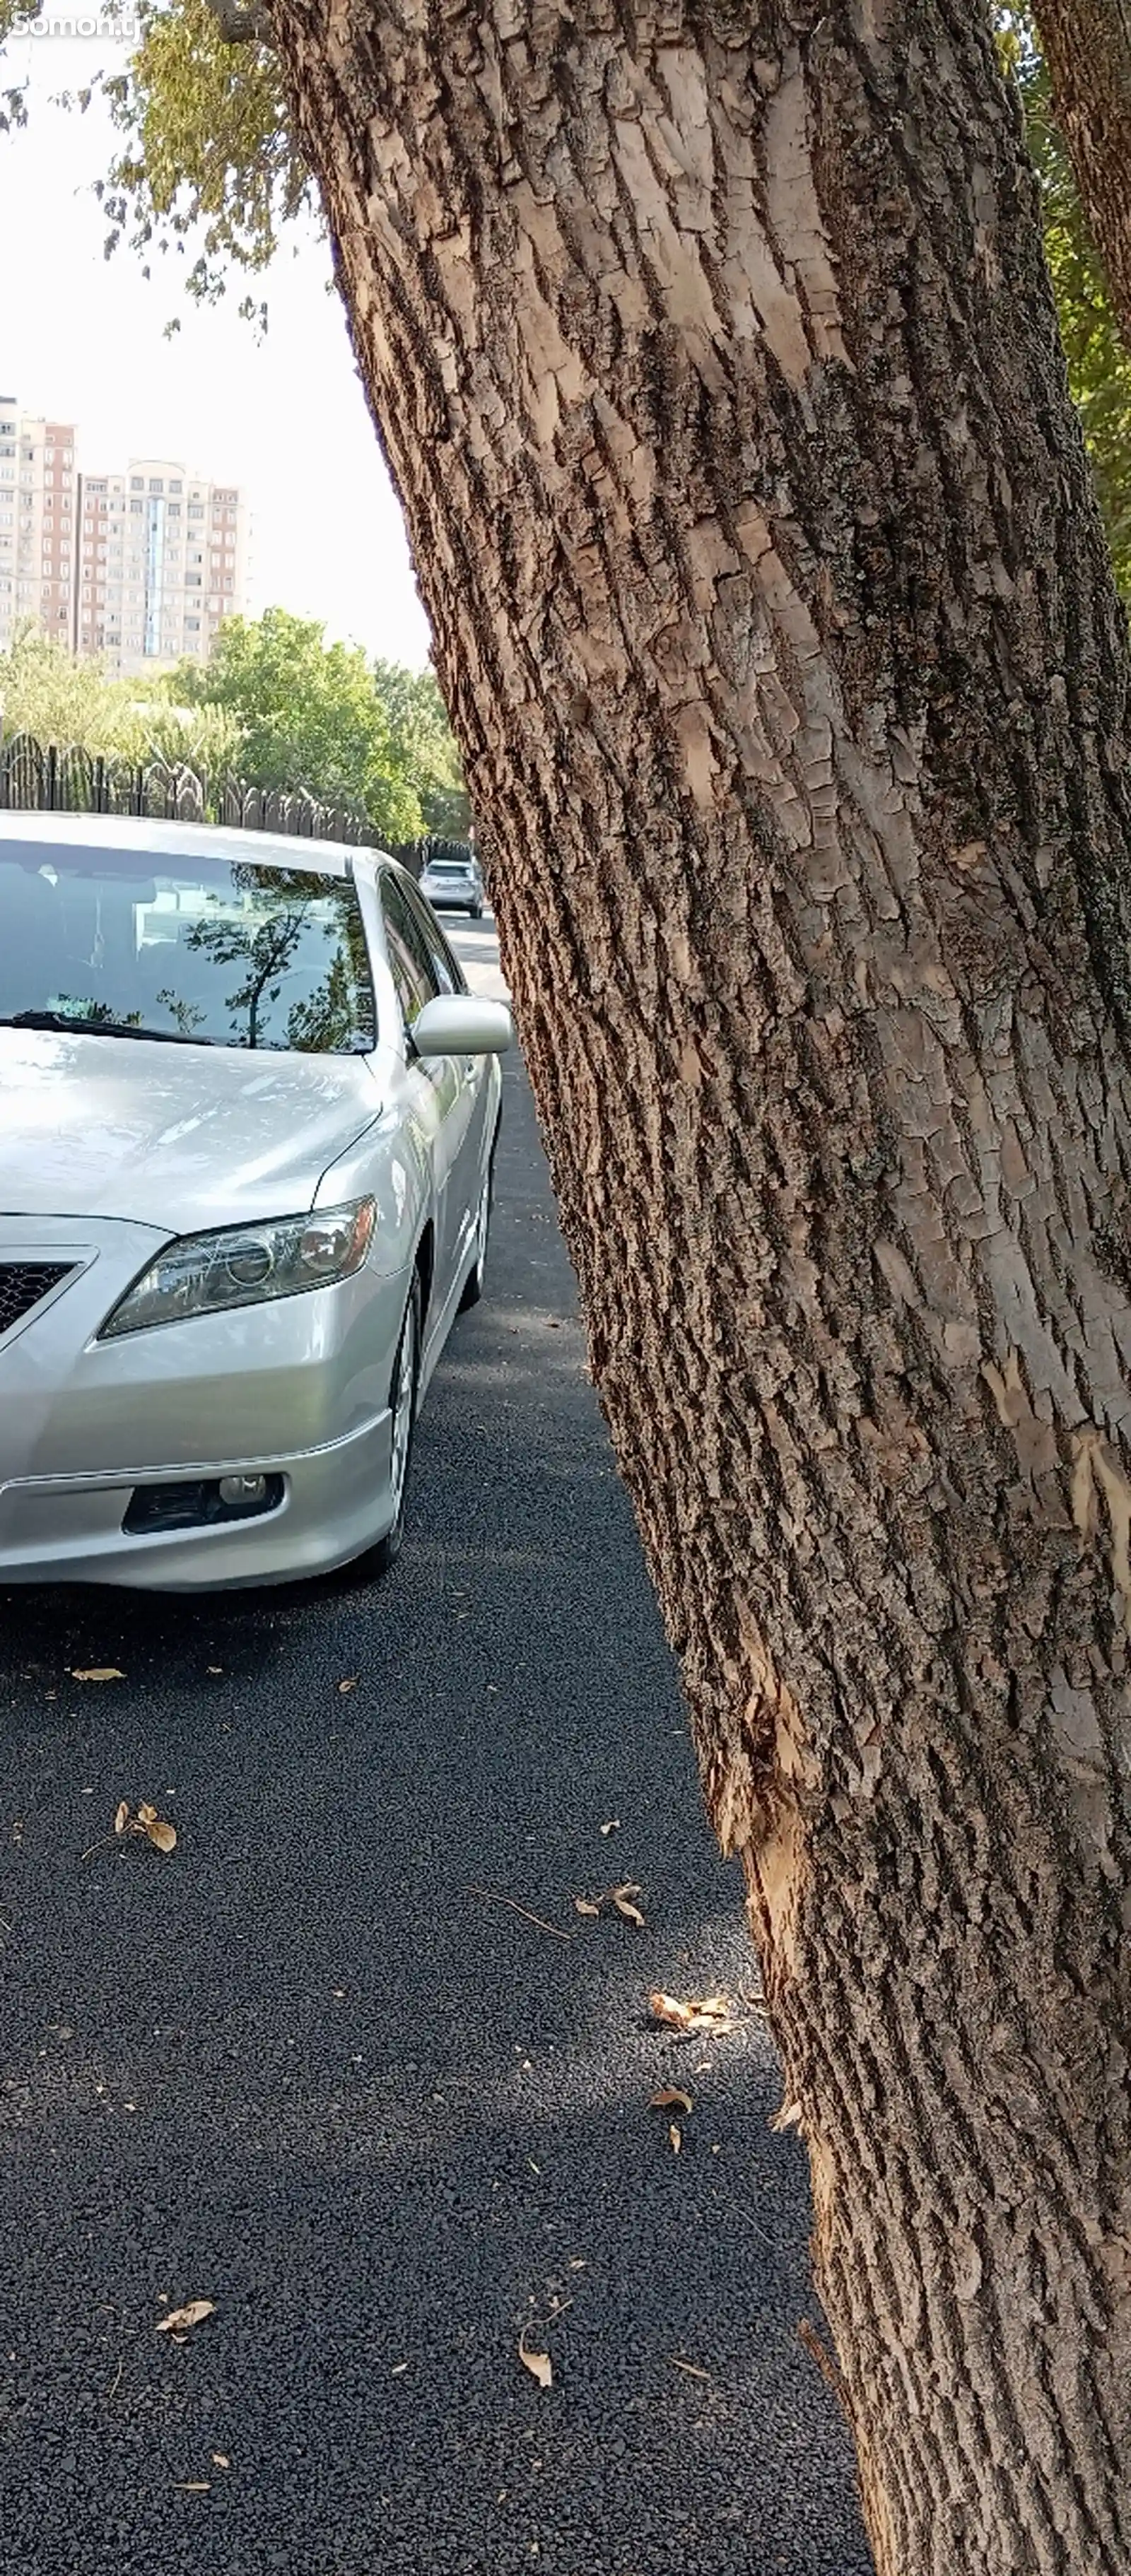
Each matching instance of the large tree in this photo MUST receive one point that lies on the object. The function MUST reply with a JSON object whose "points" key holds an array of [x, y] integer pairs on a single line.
{"points": [[315, 715], [1087, 45], [714, 356]]}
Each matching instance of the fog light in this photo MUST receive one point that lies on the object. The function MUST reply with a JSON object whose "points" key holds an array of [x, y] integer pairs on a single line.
{"points": [[243, 1493]]}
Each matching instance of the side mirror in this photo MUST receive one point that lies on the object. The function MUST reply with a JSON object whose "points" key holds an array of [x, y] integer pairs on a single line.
{"points": [[462, 1024]]}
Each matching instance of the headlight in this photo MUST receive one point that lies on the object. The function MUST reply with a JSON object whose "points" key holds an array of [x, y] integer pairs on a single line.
{"points": [[204, 1274]]}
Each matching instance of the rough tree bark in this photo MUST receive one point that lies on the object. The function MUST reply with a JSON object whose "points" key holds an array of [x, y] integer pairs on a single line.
{"points": [[715, 360], [1087, 47]]}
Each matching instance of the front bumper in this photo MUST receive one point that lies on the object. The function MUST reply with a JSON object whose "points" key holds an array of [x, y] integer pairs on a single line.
{"points": [[297, 1389], [335, 1504]]}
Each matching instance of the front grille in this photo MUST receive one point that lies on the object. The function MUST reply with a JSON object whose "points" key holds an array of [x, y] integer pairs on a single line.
{"points": [[24, 1283]]}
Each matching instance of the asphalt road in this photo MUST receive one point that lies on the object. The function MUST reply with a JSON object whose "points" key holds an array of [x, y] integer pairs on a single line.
{"points": [[385, 2124]]}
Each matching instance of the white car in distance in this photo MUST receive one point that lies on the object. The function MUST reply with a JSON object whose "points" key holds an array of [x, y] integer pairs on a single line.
{"points": [[249, 1113]]}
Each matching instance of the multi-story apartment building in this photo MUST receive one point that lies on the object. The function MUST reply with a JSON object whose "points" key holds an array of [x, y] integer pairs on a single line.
{"points": [[38, 517], [9, 426], [162, 558], [136, 568]]}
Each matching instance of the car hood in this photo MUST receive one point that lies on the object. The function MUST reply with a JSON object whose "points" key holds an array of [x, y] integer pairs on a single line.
{"points": [[178, 1137]]}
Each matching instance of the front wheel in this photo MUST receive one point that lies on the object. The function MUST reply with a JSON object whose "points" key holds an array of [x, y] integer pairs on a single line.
{"points": [[402, 1409]]}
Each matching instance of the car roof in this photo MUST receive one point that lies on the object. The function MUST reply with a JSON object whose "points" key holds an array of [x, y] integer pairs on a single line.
{"points": [[140, 836]]}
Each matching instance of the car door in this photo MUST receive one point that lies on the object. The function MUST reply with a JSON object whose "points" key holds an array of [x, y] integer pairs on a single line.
{"points": [[444, 1097], [479, 1073]]}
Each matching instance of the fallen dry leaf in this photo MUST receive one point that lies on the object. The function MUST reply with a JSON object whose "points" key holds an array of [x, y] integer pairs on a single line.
{"points": [[220, 2460], [787, 2117], [670, 2097], [537, 2363], [96, 1673], [179, 2320], [351, 1682], [675, 2133], [621, 1898], [691, 2367], [193, 2486], [148, 1823], [613, 1827], [697, 2015]]}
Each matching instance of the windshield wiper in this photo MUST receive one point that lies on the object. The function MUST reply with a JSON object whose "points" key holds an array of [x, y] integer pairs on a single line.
{"points": [[97, 1028]]}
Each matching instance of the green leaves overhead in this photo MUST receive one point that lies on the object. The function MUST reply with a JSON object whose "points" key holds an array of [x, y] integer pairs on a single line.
{"points": [[1099, 366], [208, 153]]}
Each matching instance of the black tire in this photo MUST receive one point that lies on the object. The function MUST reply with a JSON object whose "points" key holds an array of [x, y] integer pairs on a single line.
{"points": [[473, 1284], [378, 1559], [477, 912]]}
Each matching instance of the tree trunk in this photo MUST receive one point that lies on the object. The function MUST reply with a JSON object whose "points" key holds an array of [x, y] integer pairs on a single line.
{"points": [[1087, 47], [720, 381]]}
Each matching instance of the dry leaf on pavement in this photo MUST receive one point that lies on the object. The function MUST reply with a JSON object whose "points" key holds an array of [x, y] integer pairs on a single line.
{"points": [[179, 2320], [613, 1827], [193, 2486], [675, 2133], [148, 1823], [787, 2117], [621, 1896], [701, 2014], [691, 2367], [670, 2097], [96, 1673], [537, 2363], [350, 1683]]}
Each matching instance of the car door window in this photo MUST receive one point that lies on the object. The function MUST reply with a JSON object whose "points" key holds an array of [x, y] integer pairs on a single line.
{"points": [[409, 958], [445, 966]]}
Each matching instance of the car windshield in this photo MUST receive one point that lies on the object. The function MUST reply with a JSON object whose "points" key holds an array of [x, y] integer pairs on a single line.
{"points": [[212, 951]]}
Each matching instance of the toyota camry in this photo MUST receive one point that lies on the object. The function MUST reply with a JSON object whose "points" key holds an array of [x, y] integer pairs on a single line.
{"points": [[248, 1111]]}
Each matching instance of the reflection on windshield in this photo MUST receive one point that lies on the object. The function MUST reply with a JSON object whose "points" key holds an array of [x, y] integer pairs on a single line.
{"points": [[228, 954]]}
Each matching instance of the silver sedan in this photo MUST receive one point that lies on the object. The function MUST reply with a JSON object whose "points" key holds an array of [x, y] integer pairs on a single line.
{"points": [[249, 1115]]}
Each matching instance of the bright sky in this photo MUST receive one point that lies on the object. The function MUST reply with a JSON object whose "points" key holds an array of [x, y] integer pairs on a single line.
{"points": [[81, 338]]}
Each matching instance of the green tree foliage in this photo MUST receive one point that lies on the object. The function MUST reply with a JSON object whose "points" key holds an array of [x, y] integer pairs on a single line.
{"points": [[425, 746], [315, 715], [208, 156], [1099, 366], [44, 691], [15, 15], [275, 703]]}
